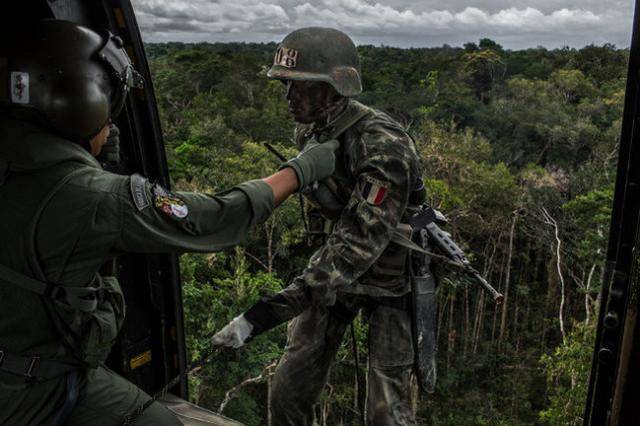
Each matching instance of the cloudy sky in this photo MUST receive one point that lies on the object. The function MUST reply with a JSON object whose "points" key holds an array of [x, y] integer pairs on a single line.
{"points": [[513, 23]]}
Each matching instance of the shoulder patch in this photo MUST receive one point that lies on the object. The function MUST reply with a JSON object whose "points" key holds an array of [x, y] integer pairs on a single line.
{"points": [[138, 192], [374, 191], [168, 203]]}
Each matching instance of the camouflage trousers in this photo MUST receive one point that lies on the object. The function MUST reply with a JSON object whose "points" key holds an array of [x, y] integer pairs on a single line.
{"points": [[313, 341]]}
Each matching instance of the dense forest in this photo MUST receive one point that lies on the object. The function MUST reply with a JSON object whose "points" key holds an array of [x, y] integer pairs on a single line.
{"points": [[519, 151]]}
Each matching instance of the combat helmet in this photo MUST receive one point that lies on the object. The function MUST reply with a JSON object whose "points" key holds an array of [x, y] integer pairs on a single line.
{"points": [[69, 78], [319, 54]]}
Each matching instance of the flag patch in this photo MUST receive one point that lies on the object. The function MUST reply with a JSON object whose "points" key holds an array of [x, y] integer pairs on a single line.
{"points": [[374, 191]]}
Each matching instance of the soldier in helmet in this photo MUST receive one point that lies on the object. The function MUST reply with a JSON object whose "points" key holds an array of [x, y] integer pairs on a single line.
{"points": [[359, 266], [62, 217]]}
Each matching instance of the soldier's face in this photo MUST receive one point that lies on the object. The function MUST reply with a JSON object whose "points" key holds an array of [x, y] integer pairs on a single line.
{"points": [[97, 142], [308, 100]]}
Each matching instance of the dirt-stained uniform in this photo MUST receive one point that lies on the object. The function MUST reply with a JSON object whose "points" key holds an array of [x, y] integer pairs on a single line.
{"points": [[357, 267], [62, 217]]}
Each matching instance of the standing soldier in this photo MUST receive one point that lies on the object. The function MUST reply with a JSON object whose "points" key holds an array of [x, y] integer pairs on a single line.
{"points": [[376, 188], [62, 217]]}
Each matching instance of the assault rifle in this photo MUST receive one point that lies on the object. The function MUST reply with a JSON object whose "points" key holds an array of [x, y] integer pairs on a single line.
{"points": [[428, 218]]}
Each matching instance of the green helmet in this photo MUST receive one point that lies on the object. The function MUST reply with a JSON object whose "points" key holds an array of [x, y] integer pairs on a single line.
{"points": [[319, 54], [69, 78]]}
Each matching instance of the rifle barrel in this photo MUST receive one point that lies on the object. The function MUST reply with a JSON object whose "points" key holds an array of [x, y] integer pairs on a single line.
{"points": [[497, 296], [442, 241]]}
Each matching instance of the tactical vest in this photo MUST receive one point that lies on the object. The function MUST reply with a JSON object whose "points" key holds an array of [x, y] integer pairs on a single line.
{"points": [[388, 276], [332, 194], [88, 317]]}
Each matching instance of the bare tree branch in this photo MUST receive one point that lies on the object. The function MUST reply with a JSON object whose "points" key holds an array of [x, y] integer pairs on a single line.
{"points": [[231, 393], [549, 220]]}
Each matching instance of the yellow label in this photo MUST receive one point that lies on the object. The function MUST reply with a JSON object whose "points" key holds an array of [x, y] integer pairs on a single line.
{"points": [[140, 360]]}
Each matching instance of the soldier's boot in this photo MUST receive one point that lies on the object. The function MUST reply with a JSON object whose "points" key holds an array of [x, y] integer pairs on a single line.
{"points": [[312, 342], [391, 360]]}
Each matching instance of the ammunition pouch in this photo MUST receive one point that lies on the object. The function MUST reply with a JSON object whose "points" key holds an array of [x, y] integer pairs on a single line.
{"points": [[98, 329]]}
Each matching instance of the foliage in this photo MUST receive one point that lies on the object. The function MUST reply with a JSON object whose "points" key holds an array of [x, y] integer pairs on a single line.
{"points": [[518, 150], [567, 370]]}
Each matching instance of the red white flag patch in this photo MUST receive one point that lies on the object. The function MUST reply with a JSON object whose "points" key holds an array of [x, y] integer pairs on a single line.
{"points": [[374, 191]]}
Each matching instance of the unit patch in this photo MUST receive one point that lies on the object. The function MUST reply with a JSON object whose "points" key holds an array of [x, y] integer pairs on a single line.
{"points": [[168, 203], [374, 191], [139, 192], [286, 57], [19, 87]]}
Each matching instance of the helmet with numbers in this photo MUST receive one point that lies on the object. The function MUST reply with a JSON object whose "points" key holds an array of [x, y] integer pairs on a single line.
{"points": [[319, 54]]}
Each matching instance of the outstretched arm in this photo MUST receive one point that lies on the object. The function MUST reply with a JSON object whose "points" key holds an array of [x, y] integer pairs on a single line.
{"points": [[362, 233], [154, 219], [282, 184]]}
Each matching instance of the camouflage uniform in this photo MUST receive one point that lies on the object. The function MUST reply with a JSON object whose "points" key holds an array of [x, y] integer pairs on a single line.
{"points": [[357, 267]]}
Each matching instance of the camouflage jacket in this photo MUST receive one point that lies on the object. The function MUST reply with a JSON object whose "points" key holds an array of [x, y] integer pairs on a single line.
{"points": [[377, 171]]}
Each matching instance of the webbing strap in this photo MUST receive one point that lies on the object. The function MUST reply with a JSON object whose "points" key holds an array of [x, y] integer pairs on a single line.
{"points": [[330, 182], [33, 367], [81, 298], [399, 238], [19, 280], [343, 127]]}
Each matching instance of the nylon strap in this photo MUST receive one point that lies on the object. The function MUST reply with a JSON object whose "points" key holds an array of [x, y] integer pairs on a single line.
{"points": [[33, 367], [346, 125], [330, 182], [405, 242], [19, 280], [81, 298]]}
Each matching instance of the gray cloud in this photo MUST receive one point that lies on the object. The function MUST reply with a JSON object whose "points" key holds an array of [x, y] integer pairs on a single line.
{"points": [[515, 24]]}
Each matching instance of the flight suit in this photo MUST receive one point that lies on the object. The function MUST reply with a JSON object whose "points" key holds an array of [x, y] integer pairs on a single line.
{"points": [[357, 268], [61, 218]]}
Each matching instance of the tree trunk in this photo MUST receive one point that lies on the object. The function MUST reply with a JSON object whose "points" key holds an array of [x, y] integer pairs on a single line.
{"points": [[270, 226], [479, 321], [467, 327], [441, 312], [587, 296], [556, 231], [269, 396], [507, 281], [495, 308], [451, 338]]}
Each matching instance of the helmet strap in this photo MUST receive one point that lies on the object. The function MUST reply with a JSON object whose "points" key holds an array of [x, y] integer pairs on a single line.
{"points": [[332, 110]]}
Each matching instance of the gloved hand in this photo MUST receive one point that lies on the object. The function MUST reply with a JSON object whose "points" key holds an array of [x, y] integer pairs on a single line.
{"points": [[110, 153], [315, 162], [234, 334]]}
